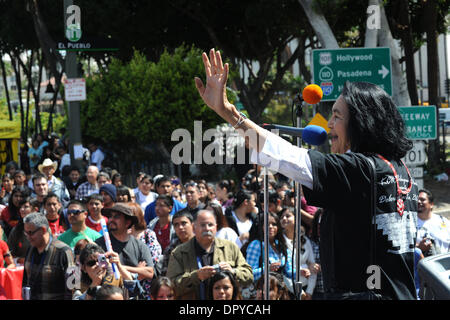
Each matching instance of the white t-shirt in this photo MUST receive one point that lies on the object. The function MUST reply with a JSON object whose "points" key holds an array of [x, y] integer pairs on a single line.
{"points": [[438, 228], [243, 227], [144, 200], [229, 234]]}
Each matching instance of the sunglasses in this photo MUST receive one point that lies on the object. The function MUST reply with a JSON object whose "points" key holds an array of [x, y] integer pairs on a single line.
{"points": [[74, 212], [31, 233], [91, 263]]}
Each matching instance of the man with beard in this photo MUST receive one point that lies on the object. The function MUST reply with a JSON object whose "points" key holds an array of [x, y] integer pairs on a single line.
{"points": [[193, 263], [134, 254]]}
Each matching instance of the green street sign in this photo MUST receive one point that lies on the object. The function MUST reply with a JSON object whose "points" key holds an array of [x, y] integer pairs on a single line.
{"points": [[420, 122], [332, 67]]}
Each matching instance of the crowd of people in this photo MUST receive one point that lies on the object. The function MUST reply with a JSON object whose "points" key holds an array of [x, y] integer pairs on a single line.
{"points": [[168, 239]]}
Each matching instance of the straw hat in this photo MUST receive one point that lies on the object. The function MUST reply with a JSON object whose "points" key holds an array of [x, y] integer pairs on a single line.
{"points": [[48, 163]]}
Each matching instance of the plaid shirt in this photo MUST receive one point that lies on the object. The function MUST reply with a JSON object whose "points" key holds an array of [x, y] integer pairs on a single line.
{"points": [[45, 273], [319, 282], [254, 254], [85, 189]]}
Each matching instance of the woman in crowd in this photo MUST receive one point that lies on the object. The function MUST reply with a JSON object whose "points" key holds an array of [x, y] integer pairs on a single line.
{"points": [[96, 270], [223, 286], [280, 257], [7, 187], [307, 277], [10, 215], [163, 289], [242, 217], [224, 193]]}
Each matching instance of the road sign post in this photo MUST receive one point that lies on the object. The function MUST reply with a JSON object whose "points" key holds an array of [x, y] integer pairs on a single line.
{"points": [[331, 68]]}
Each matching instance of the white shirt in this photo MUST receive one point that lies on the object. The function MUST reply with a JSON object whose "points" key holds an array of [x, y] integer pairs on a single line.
{"points": [[97, 157], [229, 234], [144, 200], [283, 157], [437, 228]]}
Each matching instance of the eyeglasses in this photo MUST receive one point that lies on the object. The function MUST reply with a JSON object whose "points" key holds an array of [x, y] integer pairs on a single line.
{"points": [[31, 233], [74, 212]]}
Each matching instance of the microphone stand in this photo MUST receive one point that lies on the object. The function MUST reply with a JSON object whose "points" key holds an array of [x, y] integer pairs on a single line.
{"points": [[298, 216], [266, 236]]}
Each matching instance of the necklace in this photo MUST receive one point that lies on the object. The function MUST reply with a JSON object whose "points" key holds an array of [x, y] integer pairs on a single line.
{"points": [[401, 194]]}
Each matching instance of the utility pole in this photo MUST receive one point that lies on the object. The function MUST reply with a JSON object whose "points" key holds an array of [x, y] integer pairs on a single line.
{"points": [[72, 17]]}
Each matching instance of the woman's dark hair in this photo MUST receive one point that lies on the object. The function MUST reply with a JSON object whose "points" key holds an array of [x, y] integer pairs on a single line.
{"points": [[227, 184], [85, 254], [375, 124], [146, 176], [275, 281], [13, 210], [224, 274], [166, 199], [158, 283], [240, 197], [220, 217], [8, 175], [123, 190], [115, 176]]}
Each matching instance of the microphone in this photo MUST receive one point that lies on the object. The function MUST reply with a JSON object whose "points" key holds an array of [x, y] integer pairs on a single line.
{"points": [[312, 94], [312, 134]]}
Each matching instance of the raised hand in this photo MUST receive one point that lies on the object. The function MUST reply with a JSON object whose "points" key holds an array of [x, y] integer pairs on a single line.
{"points": [[214, 94]]}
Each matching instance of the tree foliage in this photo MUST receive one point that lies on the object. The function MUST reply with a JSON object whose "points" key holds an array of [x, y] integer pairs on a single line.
{"points": [[141, 101]]}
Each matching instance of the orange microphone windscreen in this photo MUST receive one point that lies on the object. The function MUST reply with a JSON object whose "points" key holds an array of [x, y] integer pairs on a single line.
{"points": [[312, 94]]}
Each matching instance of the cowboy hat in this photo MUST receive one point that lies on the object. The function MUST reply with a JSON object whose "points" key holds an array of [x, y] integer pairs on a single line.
{"points": [[47, 163]]}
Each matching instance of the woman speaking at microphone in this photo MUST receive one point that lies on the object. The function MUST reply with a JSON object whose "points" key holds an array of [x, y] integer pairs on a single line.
{"points": [[366, 252]]}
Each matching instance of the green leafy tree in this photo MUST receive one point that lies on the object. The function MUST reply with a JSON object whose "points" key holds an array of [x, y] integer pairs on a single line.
{"points": [[141, 102]]}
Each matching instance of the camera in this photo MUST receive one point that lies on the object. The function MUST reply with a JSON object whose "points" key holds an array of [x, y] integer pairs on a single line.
{"points": [[102, 261], [216, 267]]}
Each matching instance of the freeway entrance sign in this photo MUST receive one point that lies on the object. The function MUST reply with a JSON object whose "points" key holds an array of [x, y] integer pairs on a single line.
{"points": [[332, 67], [420, 122]]}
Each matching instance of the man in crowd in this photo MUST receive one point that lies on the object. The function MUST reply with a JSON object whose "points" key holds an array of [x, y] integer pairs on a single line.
{"points": [[90, 186], [77, 214], [163, 185], [433, 235], [56, 185], [46, 263], [97, 156], [103, 178], [109, 194], [193, 199], [182, 223], [95, 206], [192, 263], [40, 187], [52, 207], [133, 253]]}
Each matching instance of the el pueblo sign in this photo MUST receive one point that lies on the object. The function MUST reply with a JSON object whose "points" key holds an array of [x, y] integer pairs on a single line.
{"points": [[331, 68]]}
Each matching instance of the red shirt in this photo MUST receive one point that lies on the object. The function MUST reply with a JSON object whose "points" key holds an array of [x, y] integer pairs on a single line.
{"points": [[162, 234], [56, 228], [4, 250], [95, 225]]}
